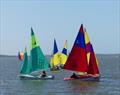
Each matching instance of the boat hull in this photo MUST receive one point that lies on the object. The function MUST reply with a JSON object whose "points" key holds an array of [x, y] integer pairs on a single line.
{"points": [[54, 69], [30, 77], [84, 78]]}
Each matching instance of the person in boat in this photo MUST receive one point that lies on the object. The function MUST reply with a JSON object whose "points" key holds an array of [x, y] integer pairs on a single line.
{"points": [[74, 76], [44, 74], [57, 68]]}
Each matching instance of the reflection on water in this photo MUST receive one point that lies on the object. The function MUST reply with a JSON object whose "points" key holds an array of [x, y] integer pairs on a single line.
{"points": [[10, 84]]}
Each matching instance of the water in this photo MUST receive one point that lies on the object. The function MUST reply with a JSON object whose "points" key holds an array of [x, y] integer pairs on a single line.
{"points": [[10, 84]]}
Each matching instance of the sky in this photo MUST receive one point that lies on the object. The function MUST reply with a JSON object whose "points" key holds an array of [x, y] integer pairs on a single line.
{"points": [[59, 19]]}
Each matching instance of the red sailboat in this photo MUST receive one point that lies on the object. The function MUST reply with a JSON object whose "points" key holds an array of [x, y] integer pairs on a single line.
{"points": [[82, 59]]}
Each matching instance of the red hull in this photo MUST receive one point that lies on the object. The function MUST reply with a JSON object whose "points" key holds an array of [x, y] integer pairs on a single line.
{"points": [[84, 78]]}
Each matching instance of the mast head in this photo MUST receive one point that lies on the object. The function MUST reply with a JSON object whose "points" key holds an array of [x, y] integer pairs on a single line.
{"points": [[32, 33], [25, 49], [55, 49], [81, 28], [84, 29]]}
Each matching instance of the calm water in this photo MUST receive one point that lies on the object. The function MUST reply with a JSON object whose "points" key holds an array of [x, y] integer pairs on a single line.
{"points": [[10, 84]]}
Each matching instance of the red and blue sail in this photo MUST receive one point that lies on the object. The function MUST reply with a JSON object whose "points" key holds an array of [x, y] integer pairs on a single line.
{"points": [[77, 59], [91, 57], [93, 65], [82, 58]]}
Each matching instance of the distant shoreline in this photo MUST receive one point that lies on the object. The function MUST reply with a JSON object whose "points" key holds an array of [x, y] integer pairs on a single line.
{"points": [[50, 55]]}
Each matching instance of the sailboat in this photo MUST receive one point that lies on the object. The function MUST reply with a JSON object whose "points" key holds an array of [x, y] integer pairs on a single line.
{"points": [[55, 59], [63, 55], [37, 62], [82, 59]]}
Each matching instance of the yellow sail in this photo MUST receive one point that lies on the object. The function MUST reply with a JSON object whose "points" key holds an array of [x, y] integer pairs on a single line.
{"points": [[63, 55], [55, 60], [87, 41]]}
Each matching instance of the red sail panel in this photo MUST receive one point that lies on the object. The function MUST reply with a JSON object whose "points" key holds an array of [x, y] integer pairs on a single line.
{"points": [[88, 46], [77, 59], [93, 67]]}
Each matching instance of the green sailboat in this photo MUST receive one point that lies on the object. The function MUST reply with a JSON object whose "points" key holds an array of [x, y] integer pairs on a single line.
{"points": [[37, 62], [26, 68]]}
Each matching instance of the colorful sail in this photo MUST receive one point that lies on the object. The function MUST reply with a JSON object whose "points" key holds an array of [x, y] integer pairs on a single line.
{"points": [[77, 59], [55, 57], [88, 45], [63, 55], [20, 55], [26, 67], [91, 58], [93, 64], [38, 60]]}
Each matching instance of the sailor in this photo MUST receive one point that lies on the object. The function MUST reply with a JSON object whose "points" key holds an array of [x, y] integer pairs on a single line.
{"points": [[43, 74], [74, 76]]}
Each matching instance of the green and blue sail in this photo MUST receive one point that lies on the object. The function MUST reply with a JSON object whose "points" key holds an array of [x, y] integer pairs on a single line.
{"points": [[37, 59]]}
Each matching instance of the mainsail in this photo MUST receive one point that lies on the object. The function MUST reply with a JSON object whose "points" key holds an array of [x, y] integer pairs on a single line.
{"points": [[55, 60], [26, 66], [38, 60], [77, 59]]}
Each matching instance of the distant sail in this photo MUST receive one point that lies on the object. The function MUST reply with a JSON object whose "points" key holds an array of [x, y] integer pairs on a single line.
{"points": [[26, 66], [38, 60], [20, 55], [55, 57], [63, 55], [77, 59]]}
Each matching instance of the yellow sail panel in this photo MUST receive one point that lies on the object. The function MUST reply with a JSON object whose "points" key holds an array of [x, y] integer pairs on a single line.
{"points": [[65, 45], [88, 57], [87, 41], [81, 73], [86, 38], [55, 60], [96, 61], [63, 58]]}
